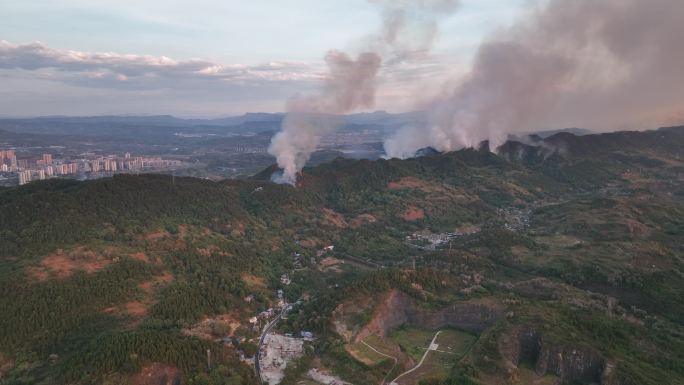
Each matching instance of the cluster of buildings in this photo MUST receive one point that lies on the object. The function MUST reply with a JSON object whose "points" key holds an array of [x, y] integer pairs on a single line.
{"points": [[515, 219], [8, 160], [28, 170], [274, 355], [248, 149], [432, 241]]}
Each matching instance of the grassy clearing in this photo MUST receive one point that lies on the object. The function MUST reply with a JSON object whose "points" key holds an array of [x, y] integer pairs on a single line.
{"points": [[455, 343], [452, 346], [413, 341], [380, 344], [364, 354], [558, 240]]}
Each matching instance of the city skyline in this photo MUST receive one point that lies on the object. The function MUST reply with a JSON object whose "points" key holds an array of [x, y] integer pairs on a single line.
{"points": [[31, 168]]}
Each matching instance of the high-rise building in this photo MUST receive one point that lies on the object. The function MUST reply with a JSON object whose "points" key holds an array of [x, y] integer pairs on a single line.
{"points": [[6, 156], [41, 174], [24, 177], [49, 171], [22, 163], [47, 159], [95, 166]]}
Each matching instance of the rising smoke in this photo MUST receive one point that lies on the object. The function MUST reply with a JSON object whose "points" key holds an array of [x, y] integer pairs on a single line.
{"points": [[408, 30], [598, 64], [350, 84]]}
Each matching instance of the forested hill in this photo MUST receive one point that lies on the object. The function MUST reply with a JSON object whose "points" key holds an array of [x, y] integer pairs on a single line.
{"points": [[105, 279]]}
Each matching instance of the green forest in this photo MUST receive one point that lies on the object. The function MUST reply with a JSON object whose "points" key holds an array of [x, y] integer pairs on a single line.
{"points": [[101, 279]]}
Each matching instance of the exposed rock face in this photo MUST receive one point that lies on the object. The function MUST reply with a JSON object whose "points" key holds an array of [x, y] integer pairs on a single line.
{"points": [[581, 365], [578, 364], [569, 362], [399, 309]]}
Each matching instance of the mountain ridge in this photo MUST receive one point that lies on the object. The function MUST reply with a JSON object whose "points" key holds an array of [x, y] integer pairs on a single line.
{"points": [[578, 250]]}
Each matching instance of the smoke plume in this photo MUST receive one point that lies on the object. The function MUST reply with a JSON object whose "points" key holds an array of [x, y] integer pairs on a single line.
{"points": [[408, 31], [349, 85], [598, 64]]}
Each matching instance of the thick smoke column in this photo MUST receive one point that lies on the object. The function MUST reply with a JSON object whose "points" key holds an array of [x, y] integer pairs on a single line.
{"points": [[408, 30], [349, 85], [599, 64]]}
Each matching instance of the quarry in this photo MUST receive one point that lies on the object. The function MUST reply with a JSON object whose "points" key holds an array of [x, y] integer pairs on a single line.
{"points": [[276, 352]]}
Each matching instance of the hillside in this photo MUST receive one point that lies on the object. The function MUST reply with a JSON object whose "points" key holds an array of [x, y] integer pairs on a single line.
{"points": [[557, 260]]}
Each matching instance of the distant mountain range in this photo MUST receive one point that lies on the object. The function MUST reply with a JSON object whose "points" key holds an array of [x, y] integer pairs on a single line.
{"points": [[377, 117]]}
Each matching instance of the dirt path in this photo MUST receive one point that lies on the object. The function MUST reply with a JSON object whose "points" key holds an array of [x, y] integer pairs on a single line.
{"points": [[432, 344], [385, 355]]}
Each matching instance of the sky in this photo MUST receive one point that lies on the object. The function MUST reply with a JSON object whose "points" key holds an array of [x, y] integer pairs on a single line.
{"points": [[209, 58]]}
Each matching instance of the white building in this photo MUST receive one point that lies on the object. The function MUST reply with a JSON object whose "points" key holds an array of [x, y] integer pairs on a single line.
{"points": [[24, 177]]}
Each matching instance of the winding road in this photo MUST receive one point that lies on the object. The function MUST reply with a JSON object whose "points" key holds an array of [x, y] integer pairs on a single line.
{"points": [[385, 355], [267, 329], [432, 343]]}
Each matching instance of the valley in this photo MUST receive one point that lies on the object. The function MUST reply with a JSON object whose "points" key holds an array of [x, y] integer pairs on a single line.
{"points": [[469, 267]]}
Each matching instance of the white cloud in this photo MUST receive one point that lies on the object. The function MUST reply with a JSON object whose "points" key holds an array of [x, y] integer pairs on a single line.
{"points": [[148, 84], [104, 69]]}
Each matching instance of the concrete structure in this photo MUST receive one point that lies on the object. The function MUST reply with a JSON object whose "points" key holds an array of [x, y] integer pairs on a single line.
{"points": [[275, 353], [24, 177]]}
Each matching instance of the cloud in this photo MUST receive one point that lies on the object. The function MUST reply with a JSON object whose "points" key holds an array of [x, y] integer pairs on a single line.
{"points": [[107, 69], [58, 81]]}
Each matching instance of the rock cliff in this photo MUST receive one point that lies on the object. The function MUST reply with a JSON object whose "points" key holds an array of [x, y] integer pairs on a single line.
{"points": [[397, 309]]}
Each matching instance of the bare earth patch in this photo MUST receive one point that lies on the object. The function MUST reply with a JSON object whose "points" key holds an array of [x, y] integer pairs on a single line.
{"points": [[211, 250], [363, 354], [157, 374], [64, 263], [253, 280], [335, 219], [408, 182], [5, 365], [331, 264], [236, 229], [136, 308], [361, 220], [140, 256], [222, 325], [149, 286], [157, 235], [468, 229], [413, 214], [182, 231], [309, 243]]}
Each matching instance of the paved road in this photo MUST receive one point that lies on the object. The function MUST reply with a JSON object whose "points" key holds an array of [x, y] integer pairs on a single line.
{"points": [[267, 329], [432, 343]]}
